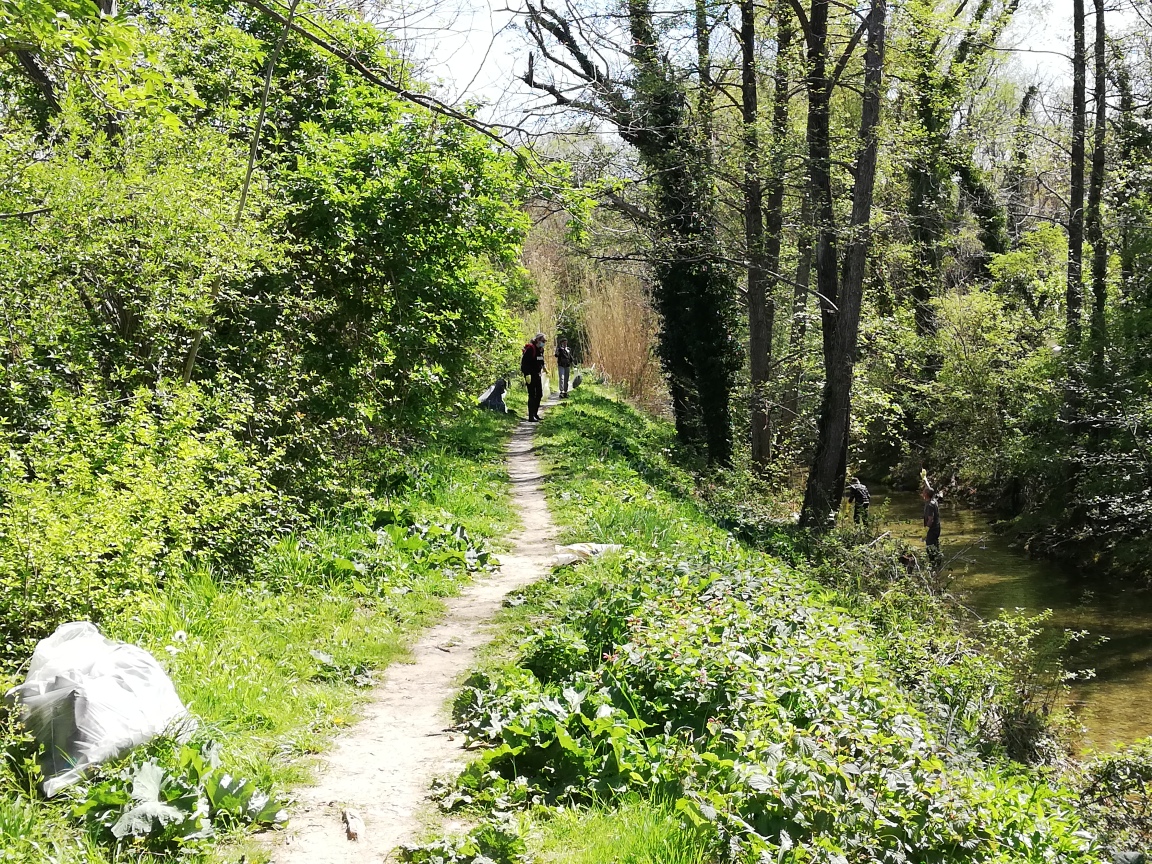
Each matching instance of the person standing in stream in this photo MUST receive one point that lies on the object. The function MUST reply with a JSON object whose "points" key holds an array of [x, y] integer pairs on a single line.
{"points": [[532, 368], [931, 499], [563, 365], [859, 498]]}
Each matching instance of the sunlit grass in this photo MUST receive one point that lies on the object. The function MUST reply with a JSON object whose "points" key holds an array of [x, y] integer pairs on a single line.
{"points": [[636, 832]]}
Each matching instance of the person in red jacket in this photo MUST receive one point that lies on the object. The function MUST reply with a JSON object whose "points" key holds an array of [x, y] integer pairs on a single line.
{"points": [[532, 368]]}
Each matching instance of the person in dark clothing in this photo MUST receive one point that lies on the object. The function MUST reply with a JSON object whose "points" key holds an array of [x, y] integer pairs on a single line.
{"points": [[532, 367], [494, 399], [563, 365], [858, 496], [931, 499]]}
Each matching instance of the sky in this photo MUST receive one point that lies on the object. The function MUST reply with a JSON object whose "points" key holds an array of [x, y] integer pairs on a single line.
{"points": [[474, 49]]}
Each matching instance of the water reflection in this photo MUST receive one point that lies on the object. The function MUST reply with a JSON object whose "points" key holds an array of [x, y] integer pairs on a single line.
{"points": [[992, 573]]}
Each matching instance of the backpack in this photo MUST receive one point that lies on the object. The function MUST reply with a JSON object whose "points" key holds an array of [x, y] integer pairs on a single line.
{"points": [[528, 361]]}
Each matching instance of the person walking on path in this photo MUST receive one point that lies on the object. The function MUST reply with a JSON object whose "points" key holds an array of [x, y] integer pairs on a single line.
{"points": [[859, 498], [931, 499], [563, 364], [532, 367]]}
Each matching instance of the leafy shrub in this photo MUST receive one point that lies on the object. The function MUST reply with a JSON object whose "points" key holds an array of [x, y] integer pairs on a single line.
{"points": [[169, 796], [91, 511], [555, 654], [490, 843], [386, 552], [1116, 790]]}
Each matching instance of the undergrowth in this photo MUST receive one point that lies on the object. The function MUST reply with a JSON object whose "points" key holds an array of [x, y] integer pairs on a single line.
{"points": [[274, 661], [738, 708]]}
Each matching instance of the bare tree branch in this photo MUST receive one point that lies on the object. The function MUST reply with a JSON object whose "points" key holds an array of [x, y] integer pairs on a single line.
{"points": [[423, 100]]}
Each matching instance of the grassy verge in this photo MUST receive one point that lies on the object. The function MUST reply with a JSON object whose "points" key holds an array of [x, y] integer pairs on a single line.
{"points": [[274, 662], [696, 695]]}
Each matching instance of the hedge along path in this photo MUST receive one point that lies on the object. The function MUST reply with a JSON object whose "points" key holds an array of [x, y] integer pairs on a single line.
{"points": [[383, 768]]}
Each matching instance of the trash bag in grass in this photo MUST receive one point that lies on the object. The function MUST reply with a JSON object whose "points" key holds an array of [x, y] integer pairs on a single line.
{"points": [[580, 552], [88, 699]]}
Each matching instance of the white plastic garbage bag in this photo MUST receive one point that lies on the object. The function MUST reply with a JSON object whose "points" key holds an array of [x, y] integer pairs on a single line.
{"points": [[581, 552], [88, 699]]}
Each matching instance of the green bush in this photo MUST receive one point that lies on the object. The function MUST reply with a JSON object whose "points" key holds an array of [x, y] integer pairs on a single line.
{"points": [[1116, 791], [91, 511]]}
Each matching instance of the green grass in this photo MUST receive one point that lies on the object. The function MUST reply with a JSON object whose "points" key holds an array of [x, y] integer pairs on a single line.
{"points": [[240, 646], [635, 832]]}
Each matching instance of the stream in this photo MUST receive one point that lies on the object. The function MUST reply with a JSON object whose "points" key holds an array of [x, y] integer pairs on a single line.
{"points": [[992, 573]]}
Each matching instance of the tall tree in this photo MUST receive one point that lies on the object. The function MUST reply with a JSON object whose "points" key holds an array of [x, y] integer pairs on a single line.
{"points": [[1094, 226], [1074, 288], [798, 325], [693, 289], [842, 295], [777, 176], [1017, 208], [1128, 133], [941, 81], [760, 310]]}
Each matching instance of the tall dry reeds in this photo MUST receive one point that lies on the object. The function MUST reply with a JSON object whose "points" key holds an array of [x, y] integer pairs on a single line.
{"points": [[604, 312], [621, 328], [546, 260]]}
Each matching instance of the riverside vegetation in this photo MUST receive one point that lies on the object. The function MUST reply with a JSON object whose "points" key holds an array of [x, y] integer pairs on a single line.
{"points": [[694, 699], [272, 662]]}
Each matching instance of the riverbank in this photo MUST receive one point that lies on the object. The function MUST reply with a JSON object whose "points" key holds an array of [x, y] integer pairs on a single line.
{"points": [[278, 661], [726, 706], [989, 572]]}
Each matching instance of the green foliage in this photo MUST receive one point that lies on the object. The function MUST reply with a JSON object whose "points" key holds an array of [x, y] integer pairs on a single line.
{"points": [[998, 383], [272, 658], [166, 796], [740, 690], [359, 297], [408, 244], [635, 832], [490, 843], [75, 46], [90, 512], [1116, 790], [219, 433], [555, 653]]}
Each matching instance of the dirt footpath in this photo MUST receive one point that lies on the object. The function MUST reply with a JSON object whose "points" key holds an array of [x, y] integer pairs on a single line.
{"points": [[383, 767]]}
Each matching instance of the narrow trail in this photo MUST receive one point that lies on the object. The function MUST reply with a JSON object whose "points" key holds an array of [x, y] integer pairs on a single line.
{"points": [[384, 766]]}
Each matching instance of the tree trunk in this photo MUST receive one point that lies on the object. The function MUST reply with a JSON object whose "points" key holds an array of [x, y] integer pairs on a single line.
{"points": [[777, 174], [799, 324], [693, 287], [820, 170], [1095, 226], [1127, 124], [826, 476], [926, 201], [36, 73], [759, 314], [1017, 207], [704, 61], [1073, 291], [763, 252]]}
